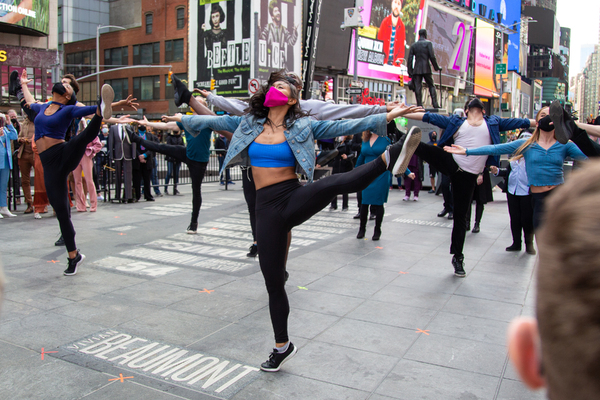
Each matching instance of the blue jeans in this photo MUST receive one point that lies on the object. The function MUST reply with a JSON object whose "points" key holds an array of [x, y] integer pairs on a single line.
{"points": [[227, 176], [4, 176], [154, 177], [172, 167]]}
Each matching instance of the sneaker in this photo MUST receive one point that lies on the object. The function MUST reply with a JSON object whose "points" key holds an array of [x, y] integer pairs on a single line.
{"points": [[100, 197], [562, 130], [357, 216], [105, 102], [406, 198], [222, 183], [14, 83], [166, 191], [361, 233], [416, 198], [4, 211], [181, 93], [253, 251], [431, 191], [458, 263], [332, 208], [476, 228], [73, 264], [60, 241], [514, 247], [276, 359], [176, 192], [193, 228], [37, 216], [230, 182], [450, 215], [372, 217], [401, 152]]}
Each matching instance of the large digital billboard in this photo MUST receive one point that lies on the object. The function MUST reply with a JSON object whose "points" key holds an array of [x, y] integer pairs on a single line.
{"points": [[451, 34], [25, 16], [224, 48], [383, 43]]}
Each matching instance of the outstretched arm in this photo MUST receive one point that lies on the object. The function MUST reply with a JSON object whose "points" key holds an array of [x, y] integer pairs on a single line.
{"points": [[26, 93], [232, 106], [172, 125]]}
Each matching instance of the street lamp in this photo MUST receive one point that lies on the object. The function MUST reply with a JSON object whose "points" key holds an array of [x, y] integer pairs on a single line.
{"points": [[98, 52]]}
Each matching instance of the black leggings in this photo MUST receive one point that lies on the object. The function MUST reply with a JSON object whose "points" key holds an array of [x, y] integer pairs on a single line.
{"points": [[463, 186], [197, 170], [250, 196], [58, 161], [287, 204], [520, 209], [585, 144], [538, 201]]}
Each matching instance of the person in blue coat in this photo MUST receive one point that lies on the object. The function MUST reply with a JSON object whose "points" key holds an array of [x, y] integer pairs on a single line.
{"points": [[376, 194], [7, 133]]}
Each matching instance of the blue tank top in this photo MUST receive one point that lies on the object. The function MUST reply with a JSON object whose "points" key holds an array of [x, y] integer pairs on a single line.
{"points": [[271, 155]]}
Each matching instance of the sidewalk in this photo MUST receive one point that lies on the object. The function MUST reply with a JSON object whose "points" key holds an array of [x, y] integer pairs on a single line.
{"points": [[155, 313]]}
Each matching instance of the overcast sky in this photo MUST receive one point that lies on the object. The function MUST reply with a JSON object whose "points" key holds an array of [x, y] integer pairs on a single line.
{"points": [[582, 17]]}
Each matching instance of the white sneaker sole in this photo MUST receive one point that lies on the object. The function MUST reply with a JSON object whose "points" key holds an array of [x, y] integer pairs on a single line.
{"points": [[108, 95], [292, 354], [412, 140], [76, 266]]}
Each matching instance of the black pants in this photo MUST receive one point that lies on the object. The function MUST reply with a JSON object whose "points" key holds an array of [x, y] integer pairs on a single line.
{"points": [[282, 206], [447, 193], [197, 170], [479, 207], [585, 144], [250, 196], [463, 186], [58, 161], [520, 209], [538, 202], [377, 210], [142, 173], [419, 89]]}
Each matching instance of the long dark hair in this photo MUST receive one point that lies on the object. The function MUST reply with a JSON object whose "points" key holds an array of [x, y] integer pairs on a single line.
{"points": [[257, 106]]}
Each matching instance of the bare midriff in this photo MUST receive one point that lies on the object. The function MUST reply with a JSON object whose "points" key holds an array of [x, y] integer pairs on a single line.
{"points": [[265, 176], [542, 189], [45, 143]]}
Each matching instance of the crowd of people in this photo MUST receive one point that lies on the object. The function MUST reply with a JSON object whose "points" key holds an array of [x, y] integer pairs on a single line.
{"points": [[273, 139]]}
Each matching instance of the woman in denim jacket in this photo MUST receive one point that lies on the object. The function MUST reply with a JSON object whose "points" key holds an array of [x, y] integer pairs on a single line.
{"points": [[7, 133], [273, 138]]}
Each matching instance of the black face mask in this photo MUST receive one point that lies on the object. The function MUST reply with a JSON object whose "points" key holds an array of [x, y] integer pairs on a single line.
{"points": [[14, 121], [59, 88], [544, 124]]}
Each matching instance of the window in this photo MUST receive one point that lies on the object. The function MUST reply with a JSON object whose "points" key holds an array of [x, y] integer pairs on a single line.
{"points": [[180, 17], [145, 54], [146, 88], [81, 64], [120, 86], [117, 56], [149, 19], [174, 50]]}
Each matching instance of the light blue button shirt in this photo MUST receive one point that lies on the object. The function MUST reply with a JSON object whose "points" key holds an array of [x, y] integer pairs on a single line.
{"points": [[517, 180]]}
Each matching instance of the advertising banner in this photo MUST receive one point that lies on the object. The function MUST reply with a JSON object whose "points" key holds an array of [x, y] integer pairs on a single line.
{"points": [[383, 43], [279, 44], [451, 33], [25, 16], [484, 59], [224, 46]]}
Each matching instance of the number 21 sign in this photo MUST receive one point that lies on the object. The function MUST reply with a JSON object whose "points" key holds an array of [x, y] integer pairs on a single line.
{"points": [[462, 48]]}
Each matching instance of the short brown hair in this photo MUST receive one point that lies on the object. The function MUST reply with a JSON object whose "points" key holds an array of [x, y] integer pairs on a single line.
{"points": [[73, 83], [568, 299]]}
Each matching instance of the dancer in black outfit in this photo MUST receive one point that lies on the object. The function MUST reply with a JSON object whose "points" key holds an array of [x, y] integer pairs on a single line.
{"points": [[275, 137]]}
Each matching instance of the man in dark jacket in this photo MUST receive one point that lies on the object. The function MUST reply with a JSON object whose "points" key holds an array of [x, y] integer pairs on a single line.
{"points": [[142, 167], [421, 53]]}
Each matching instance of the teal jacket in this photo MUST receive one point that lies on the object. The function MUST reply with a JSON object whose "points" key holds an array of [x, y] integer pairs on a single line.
{"points": [[10, 133], [300, 134]]}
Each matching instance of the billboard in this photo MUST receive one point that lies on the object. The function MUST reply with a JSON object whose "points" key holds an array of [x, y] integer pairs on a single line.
{"points": [[224, 46], [451, 34], [484, 59], [25, 16], [383, 43], [542, 32], [279, 43]]}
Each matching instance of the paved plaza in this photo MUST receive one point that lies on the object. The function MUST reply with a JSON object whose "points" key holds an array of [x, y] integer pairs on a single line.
{"points": [[155, 313]]}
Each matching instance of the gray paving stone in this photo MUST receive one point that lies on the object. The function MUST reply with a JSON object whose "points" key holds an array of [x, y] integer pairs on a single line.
{"points": [[155, 293], [194, 279], [393, 262], [467, 327], [130, 390], [346, 286], [412, 297], [365, 274], [392, 314], [13, 311], [452, 352], [516, 390], [220, 305], [417, 380], [492, 291], [443, 283], [483, 308], [340, 365], [326, 303]]}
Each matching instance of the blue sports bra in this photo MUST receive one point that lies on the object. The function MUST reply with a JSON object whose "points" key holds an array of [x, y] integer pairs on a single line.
{"points": [[271, 155]]}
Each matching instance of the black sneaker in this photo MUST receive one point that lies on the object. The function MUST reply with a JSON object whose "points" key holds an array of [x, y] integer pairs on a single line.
{"points": [[182, 94], [562, 130], [276, 359], [14, 83], [442, 213], [176, 192], [450, 215], [253, 251], [193, 228], [60, 241], [357, 216], [73, 264], [458, 263], [402, 151], [107, 95], [372, 217], [514, 247]]}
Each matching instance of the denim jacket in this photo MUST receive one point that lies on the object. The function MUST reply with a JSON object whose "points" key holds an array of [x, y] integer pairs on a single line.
{"points": [[494, 124], [10, 133], [300, 134]]}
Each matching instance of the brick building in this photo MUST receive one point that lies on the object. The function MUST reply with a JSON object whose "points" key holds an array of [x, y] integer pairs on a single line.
{"points": [[156, 35]]}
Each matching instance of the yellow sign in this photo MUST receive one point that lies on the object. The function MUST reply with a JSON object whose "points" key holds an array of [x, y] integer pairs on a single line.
{"points": [[3, 56]]}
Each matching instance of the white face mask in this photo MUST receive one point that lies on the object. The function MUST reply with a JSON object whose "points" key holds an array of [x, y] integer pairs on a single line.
{"points": [[104, 130]]}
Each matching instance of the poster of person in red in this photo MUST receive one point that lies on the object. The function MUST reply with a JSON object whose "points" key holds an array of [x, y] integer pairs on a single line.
{"points": [[392, 33]]}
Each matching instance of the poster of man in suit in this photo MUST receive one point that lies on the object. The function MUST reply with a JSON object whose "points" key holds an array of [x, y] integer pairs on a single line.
{"points": [[224, 46]]}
